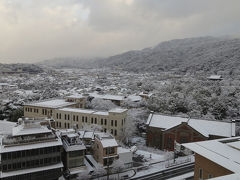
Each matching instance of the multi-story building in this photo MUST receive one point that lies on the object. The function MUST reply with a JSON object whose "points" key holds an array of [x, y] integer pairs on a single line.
{"points": [[112, 121], [163, 131], [80, 99], [46, 108], [216, 158], [105, 149], [31, 151], [67, 114], [73, 154]]}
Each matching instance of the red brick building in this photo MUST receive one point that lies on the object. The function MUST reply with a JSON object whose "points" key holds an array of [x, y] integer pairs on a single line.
{"points": [[216, 158], [163, 131]]}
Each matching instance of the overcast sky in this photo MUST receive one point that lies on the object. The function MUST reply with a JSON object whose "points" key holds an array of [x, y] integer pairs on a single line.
{"points": [[34, 30]]}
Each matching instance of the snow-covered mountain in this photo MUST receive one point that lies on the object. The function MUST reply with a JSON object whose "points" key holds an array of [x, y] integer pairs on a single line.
{"points": [[202, 54], [205, 54]]}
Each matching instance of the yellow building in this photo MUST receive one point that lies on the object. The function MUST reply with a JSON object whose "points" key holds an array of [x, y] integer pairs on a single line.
{"points": [[112, 121], [68, 115], [105, 149], [45, 108]]}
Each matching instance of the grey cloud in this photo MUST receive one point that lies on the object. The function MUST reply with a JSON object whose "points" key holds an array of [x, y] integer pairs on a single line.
{"points": [[36, 30]]}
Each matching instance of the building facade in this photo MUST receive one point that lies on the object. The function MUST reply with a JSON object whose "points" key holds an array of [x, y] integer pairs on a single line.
{"points": [[67, 114], [31, 151], [73, 154], [216, 158], [163, 131], [105, 149]]}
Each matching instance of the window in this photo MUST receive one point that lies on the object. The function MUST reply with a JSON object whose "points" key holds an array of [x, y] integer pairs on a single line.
{"points": [[101, 121], [77, 118], [210, 176], [169, 143], [65, 125], [122, 122], [110, 150], [105, 121], [95, 120], [111, 131], [68, 117], [105, 130], [115, 132], [60, 125], [92, 120], [115, 123], [57, 124], [60, 116], [200, 173], [57, 115], [68, 126], [65, 117], [75, 153], [83, 119], [73, 117], [111, 122]]}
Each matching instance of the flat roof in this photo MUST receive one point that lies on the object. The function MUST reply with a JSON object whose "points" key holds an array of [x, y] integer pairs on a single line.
{"points": [[33, 145], [54, 103], [92, 111], [6, 127], [117, 110]]}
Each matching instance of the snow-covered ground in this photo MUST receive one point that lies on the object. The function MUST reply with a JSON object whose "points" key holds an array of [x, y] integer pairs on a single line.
{"points": [[156, 167]]}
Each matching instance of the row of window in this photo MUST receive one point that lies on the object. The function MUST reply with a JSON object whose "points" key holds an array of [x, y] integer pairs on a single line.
{"points": [[29, 153], [85, 119], [31, 164], [31, 110]]}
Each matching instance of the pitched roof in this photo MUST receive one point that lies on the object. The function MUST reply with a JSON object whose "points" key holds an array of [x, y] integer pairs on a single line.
{"points": [[224, 152], [205, 127]]}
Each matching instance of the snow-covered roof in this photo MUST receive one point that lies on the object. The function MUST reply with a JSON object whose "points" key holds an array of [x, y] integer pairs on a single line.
{"points": [[215, 77], [219, 151], [89, 111], [145, 94], [123, 150], [106, 140], [78, 110], [107, 97], [22, 129], [86, 134], [34, 145], [54, 103], [76, 96], [109, 142], [30, 170], [228, 177], [101, 113], [134, 98], [205, 127], [6, 127], [117, 110]]}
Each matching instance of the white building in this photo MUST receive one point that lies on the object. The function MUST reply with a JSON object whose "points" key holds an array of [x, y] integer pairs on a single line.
{"points": [[30, 151]]}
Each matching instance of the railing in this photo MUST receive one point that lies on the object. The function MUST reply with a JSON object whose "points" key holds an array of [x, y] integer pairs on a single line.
{"points": [[19, 141]]}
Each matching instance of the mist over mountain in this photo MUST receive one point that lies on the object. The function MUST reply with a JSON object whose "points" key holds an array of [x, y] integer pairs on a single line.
{"points": [[202, 54], [205, 54]]}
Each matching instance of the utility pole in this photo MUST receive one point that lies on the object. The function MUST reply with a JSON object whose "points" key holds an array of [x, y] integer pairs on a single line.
{"points": [[107, 163]]}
